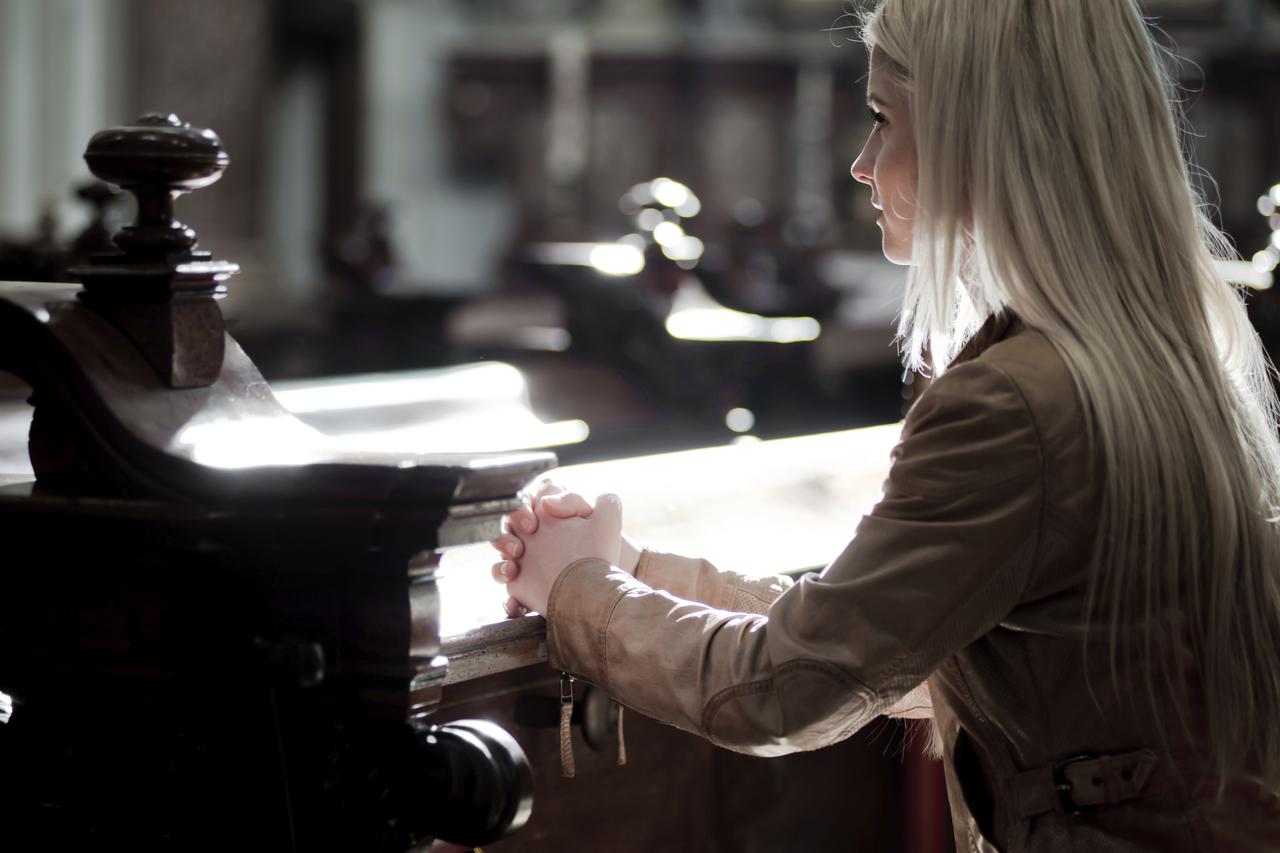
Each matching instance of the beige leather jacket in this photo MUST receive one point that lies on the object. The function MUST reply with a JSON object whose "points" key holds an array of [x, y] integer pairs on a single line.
{"points": [[970, 574]]}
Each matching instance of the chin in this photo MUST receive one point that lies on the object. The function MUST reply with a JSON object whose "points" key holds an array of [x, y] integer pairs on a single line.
{"points": [[897, 255]]}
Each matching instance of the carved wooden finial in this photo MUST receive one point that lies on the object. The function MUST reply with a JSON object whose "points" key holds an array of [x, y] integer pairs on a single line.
{"points": [[159, 290], [158, 158]]}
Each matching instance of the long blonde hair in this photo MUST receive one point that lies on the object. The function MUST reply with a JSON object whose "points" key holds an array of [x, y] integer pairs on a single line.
{"points": [[1052, 183]]}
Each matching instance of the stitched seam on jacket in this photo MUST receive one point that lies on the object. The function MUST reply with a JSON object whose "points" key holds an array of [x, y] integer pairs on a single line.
{"points": [[907, 654], [1041, 694], [602, 639], [1035, 426], [919, 491], [765, 685], [741, 595]]}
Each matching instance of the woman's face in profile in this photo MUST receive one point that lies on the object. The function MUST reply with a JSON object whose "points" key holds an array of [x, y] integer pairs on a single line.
{"points": [[887, 163]]}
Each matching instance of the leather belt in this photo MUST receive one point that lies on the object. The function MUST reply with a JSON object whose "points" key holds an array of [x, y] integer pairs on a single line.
{"points": [[1082, 783]]}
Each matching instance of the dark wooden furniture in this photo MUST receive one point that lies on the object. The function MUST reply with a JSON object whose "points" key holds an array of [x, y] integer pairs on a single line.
{"points": [[217, 630]]}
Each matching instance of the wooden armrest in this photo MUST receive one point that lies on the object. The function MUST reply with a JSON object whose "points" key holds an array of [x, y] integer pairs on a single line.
{"points": [[786, 506]]}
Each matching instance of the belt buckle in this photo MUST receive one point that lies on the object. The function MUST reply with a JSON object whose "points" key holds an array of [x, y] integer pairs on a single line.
{"points": [[1064, 787]]}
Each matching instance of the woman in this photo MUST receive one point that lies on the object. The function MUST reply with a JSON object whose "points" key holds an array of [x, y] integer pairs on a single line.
{"points": [[1077, 548]]}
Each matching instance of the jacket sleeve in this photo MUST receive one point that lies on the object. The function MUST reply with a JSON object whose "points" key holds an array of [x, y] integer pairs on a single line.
{"points": [[940, 561], [699, 580]]}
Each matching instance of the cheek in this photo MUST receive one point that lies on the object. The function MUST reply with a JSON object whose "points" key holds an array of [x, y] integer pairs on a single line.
{"points": [[896, 175]]}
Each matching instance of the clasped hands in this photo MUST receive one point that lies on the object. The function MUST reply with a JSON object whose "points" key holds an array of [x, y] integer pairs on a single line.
{"points": [[550, 531]]}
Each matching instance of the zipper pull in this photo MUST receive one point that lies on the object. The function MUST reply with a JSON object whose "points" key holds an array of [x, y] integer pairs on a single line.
{"points": [[567, 765], [622, 741]]}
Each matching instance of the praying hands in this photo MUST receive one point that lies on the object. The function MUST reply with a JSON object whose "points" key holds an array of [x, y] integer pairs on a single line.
{"points": [[549, 532]]}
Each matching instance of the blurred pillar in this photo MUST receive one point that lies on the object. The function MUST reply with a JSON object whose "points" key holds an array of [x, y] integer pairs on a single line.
{"points": [[210, 63], [64, 69]]}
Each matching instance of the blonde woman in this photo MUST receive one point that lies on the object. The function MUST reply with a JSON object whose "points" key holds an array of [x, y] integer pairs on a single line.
{"points": [[1076, 555]]}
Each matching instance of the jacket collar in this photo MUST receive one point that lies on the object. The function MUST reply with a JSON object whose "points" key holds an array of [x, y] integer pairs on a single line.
{"points": [[997, 327]]}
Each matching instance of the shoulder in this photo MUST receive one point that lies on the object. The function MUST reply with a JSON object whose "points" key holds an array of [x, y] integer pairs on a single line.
{"points": [[1032, 366], [989, 419]]}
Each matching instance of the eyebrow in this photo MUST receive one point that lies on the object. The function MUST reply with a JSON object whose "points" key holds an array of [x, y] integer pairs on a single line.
{"points": [[872, 96]]}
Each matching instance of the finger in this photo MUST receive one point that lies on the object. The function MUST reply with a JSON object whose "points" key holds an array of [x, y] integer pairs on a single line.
{"points": [[514, 608], [547, 487], [505, 571], [510, 546], [566, 505], [608, 512], [522, 521], [537, 491]]}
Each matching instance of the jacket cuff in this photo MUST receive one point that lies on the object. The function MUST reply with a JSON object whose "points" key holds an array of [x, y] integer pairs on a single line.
{"points": [[645, 567], [579, 608]]}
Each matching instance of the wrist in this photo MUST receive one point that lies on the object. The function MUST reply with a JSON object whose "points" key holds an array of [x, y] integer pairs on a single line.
{"points": [[629, 558]]}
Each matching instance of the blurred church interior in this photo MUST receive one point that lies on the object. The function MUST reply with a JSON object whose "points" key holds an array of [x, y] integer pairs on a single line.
{"points": [[642, 207]]}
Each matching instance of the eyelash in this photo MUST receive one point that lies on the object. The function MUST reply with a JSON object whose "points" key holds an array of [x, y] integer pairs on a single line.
{"points": [[877, 117]]}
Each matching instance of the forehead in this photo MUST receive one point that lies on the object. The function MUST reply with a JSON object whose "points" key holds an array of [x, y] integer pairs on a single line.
{"points": [[880, 81]]}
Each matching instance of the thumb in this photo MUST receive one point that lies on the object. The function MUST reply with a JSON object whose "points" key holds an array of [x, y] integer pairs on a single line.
{"points": [[566, 505], [608, 515]]}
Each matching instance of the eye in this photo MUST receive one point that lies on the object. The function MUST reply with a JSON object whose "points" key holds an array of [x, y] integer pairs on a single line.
{"points": [[877, 117]]}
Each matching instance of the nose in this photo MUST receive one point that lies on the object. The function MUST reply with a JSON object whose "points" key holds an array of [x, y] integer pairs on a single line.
{"points": [[863, 167]]}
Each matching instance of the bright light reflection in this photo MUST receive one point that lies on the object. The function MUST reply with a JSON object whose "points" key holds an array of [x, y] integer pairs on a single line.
{"points": [[670, 193], [668, 234], [617, 259], [1275, 195], [625, 257], [471, 382], [252, 443], [691, 207], [1255, 274], [740, 420], [724, 324], [493, 430], [688, 249], [1266, 206], [6, 707], [695, 316], [641, 194], [648, 219], [495, 417]]}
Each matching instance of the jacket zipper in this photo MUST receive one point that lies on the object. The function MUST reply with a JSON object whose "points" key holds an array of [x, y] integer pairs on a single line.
{"points": [[567, 766]]}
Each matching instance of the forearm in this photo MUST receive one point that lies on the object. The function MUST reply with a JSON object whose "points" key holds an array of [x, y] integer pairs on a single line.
{"points": [[699, 668], [699, 580]]}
